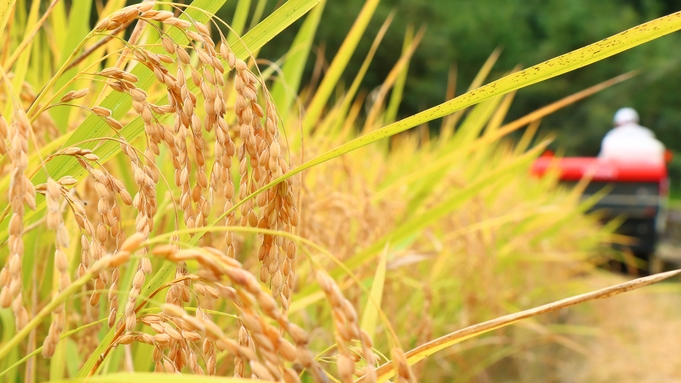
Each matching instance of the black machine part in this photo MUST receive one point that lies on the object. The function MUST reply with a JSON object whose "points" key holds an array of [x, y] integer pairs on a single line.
{"points": [[639, 203]]}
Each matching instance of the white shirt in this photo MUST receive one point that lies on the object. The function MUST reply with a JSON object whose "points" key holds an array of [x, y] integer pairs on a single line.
{"points": [[632, 143]]}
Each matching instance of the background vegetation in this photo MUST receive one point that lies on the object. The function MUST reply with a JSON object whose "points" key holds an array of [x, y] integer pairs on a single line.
{"points": [[462, 34]]}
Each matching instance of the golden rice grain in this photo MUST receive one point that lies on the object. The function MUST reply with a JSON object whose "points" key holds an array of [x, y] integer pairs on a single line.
{"points": [[201, 146]]}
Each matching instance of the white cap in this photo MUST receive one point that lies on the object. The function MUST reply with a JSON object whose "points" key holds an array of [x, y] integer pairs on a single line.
{"points": [[624, 116]]}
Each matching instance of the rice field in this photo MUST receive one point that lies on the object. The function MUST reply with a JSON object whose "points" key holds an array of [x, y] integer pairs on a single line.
{"points": [[172, 205]]}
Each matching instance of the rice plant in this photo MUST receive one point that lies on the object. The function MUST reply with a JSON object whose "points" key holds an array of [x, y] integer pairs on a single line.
{"points": [[162, 213]]}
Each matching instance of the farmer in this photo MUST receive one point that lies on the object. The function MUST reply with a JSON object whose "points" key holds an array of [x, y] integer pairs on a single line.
{"points": [[631, 142]]}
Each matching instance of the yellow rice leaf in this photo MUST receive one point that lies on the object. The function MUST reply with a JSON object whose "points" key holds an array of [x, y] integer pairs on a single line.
{"points": [[370, 315], [386, 371]]}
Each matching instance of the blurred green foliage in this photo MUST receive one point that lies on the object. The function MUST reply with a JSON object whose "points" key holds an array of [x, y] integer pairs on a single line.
{"points": [[463, 33]]}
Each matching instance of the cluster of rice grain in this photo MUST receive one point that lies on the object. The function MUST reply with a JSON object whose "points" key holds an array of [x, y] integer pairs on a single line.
{"points": [[21, 194], [195, 75], [261, 346], [54, 221], [347, 329]]}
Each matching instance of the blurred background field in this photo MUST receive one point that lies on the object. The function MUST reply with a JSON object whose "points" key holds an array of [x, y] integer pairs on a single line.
{"points": [[635, 340]]}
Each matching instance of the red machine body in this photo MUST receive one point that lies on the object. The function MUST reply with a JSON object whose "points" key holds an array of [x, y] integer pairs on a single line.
{"points": [[576, 168], [638, 191]]}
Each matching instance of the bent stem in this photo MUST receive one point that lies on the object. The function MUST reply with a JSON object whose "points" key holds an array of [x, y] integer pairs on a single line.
{"points": [[419, 353], [121, 329]]}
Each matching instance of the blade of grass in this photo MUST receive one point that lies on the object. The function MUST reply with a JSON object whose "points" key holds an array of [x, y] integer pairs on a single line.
{"points": [[449, 94], [23, 52], [286, 89], [8, 331], [471, 127], [527, 137], [340, 61], [142, 356], [273, 24], [370, 315], [450, 121], [238, 21], [484, 71], [396, 95], [73, 362], [390, 80], [32, 29], [498, 117], [6, 7], [257, 15], [445, 160], [387, 370], [58, 361], [58, 23], [342, 115], [41, 70], [79, 27]]}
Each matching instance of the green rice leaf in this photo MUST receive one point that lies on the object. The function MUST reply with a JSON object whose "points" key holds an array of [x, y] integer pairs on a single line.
{"points": [[21, 67], [398, 89], [78, 29], [340, 61], [257, 15], [373, 305], [239, 21], [6, 7], [8, 331], [59, 23], [338, 117], [285, 91]]}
